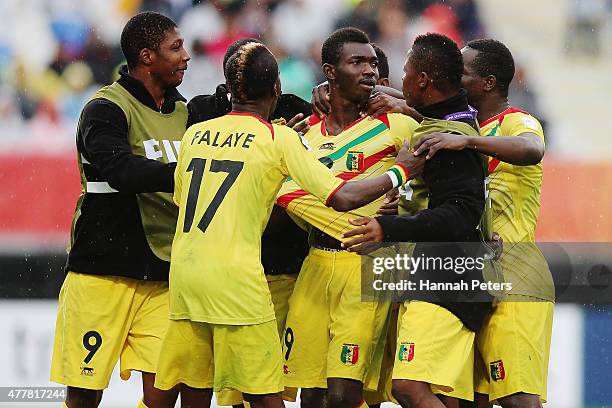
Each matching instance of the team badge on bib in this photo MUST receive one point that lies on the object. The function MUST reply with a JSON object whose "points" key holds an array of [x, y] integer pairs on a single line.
{"points": [[350, 354], [497, 370], [355, 162], [87, 371], [406, 352]]}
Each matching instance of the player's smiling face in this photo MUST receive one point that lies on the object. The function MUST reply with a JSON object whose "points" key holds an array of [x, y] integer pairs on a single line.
{"points": [[357, 72], [170, 59], [470, 80]]}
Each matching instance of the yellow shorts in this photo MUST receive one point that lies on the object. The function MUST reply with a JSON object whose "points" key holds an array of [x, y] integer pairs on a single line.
{"points": [[281, 288], [101, 319], [330, 332], [514, 343], [245, 358], [228, 398], [434, 346], [385, 351]]}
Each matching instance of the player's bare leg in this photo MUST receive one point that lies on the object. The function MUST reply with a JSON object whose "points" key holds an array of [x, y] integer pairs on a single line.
{"points": [[520, 400], [313, 398], [449, 402], [415, 394], [472, 404], [83, 398], [154, 397], [344, 393], [461, 403], [195, 397], [265, 400], [482, 401]]}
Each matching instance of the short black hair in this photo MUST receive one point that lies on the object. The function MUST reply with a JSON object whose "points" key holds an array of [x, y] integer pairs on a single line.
{"points": [[440, 58], [251, 72], [493, 58], [383, 63], [235, 46], [332, 47], [144, 30]]}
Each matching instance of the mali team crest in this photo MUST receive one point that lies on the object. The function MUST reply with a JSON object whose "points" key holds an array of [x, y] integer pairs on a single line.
{"points": [[498, 372], [355, 162], [350, 354], [406, 352]]}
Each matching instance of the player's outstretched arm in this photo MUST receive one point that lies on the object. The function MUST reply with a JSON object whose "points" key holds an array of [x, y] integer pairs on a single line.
{"points": [[314, 177], [457, 185], [525, 149], [355, 194]]}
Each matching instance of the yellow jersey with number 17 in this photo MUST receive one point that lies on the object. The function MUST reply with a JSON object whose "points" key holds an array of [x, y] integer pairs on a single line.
{"points": [[515, 199], [226, 180]]}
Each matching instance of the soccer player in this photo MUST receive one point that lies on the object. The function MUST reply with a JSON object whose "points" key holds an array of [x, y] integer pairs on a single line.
{"points": [[330, 334], [383, 66], [436, 340], [206, 107], [114, 301], [222, 331], [515, 339], [284, 245], [384, 99]]}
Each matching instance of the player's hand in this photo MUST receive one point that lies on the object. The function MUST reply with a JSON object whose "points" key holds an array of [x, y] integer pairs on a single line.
{"points": [[320, 100], [391, 203], [497, 245], [299, 124], [411, 161], [368, 234], [433, 142], [380, 103]]}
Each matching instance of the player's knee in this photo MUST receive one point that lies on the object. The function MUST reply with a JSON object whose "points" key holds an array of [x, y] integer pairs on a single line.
{"points": [[342, 398], [482, 401], [154, 397], [399, 390], [521, 400], [83, 398], [408, 393], [344, 393], [312, 397], [264, 400], [195, 397], [451, 402]]}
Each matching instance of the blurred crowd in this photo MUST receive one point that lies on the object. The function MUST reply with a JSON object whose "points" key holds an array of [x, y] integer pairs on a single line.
{"points": [[55, 55]]}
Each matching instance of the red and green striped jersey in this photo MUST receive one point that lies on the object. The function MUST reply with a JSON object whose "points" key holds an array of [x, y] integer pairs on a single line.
{"points": [[365, 149]]}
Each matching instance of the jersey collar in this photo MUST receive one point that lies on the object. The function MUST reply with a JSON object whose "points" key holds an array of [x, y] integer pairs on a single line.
{"points": [[500, 116]]}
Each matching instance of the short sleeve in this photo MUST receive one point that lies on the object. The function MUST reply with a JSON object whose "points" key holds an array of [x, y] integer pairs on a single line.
{"points": [[518, 123], [402, 129]]}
